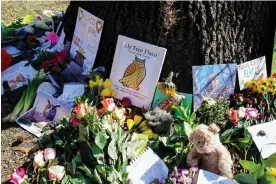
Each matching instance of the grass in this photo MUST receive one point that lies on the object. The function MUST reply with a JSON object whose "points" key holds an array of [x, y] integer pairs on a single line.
{"points": [[12, 10]]}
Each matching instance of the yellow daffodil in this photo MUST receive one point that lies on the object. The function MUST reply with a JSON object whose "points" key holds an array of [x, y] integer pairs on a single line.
{"points": [[137, 119], [91, 83], [130, 124], [107, 83], [106, 92], [271, 170], [113, 93], [99, 81]]}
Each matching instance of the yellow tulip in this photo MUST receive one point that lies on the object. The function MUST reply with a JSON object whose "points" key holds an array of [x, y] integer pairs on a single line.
{"points": [[113, 93], [148, 132], [107, 83], [130, 124], [91, 83], [137, 119], [106, 92]]}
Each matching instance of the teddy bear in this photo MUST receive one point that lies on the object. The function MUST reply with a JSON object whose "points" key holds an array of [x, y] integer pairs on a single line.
{"points": [[208, 153]]}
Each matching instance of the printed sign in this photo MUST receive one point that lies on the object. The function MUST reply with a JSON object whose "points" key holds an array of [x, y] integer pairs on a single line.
{"points": [[17, 75], [213, 81], [206, 177], [251, 70], [266, 144], [46, 110], [273, 67], [136, 69], [86, 40]]}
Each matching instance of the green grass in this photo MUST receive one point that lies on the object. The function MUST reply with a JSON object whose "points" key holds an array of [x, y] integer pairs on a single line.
{"points": [[12, 10]]}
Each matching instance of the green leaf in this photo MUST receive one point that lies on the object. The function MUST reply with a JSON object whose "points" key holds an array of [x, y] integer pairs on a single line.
{"points": [[268, 179], [245, 179], [96, 151], [76, 161], [111, 150], [271, 161], [100, 169], [97, 177], [43, 180], [256, 170], [100, 140], [187, 128], [86, 170], [179, 129], [192, 117], [52, 163], [64, 180]]}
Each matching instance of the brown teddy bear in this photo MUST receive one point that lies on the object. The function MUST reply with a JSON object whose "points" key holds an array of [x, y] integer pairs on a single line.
{"points": [[208, 153]]}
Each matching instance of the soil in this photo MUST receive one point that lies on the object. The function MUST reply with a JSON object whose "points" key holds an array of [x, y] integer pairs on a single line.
{"points": [[12, 159]]}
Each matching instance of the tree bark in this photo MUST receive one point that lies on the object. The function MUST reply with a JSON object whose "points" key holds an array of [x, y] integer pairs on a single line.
{"points": [[205, 33]]}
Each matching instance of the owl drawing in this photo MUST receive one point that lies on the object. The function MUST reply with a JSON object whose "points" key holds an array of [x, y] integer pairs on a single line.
{"points": [[134, 74]]}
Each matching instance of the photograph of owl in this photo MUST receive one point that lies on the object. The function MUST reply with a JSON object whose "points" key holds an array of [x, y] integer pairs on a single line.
{"points": [[134, 74]]}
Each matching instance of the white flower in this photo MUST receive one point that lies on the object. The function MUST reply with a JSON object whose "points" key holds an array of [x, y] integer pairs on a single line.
{"points": [[56, 172], [241, 112], [38, 159], [49, 153]]}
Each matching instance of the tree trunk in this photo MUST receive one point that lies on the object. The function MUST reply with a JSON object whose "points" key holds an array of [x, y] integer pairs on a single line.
{"points": [[204, 33]]}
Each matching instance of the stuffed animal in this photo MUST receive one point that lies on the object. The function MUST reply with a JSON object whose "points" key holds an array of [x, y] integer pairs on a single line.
{"points": [[208, 153]]}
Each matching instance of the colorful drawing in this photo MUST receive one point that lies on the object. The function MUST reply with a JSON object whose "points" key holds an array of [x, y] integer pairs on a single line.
{"points": [[251, 70], [134, 74], [273, 67], [213, 81], [18, 79], [46, 111]]}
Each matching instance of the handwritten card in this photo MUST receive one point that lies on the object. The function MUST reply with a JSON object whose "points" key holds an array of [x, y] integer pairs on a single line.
{"points": [[273, 67], [266, 144], [136, 69], [147, 168], [71, 91], [86, 40], [46, 109], [213, 81], [206, 177], [17, 75], [251, 70]]}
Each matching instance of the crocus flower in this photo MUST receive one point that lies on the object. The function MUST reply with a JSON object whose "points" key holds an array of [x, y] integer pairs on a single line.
{"points": [[251, 113], [119, 113], [126, 102], [107, 83], [185, 171], [233, 116], [82, 109], [49, 153], [241, 112], [194, 169], [108, 104], [74, 122], [18, 176], [56, 172], [38, 159]]}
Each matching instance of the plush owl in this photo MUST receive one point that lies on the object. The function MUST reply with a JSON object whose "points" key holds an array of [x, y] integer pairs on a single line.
{"points": [[134, 74]]}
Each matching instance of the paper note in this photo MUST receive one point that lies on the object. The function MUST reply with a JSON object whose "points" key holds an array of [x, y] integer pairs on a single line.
{"points": [[13, 51], [206, 177], [251, 70], [71, 91], [213, 81], [48, 88], [273, 67], [86, 40], [136, 69], [46, 109], [266, 144], [17, 75], [147, 168]]}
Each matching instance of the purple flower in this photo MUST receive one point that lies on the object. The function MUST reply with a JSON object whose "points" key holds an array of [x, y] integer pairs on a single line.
{"points": [[173, 180], [188, 180], [185, 171], [181, 179], [171, 175]]}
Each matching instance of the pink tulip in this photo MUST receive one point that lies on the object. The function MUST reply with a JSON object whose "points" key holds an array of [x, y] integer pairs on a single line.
{"points": [[49, 154], [18, 176], [251, 113], [74, 121], [108, 104], [56, 172], [38, 159]]}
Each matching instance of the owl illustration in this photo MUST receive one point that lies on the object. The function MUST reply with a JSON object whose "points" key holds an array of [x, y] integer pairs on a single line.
{"points": [[134, 74]]}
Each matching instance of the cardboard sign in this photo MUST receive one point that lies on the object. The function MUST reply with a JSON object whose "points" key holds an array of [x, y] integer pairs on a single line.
{"points": [[46, 109], [266, 144], [17, 75], [213, 81], [273, 67], [147, 168], [136, 69], [251, 70], [86, 40], [206, 177]]}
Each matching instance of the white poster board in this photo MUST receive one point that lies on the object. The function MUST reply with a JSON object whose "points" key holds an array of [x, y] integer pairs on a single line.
{"points": [[206, 177], [86, 40], [252, 70], [136, 69]]}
